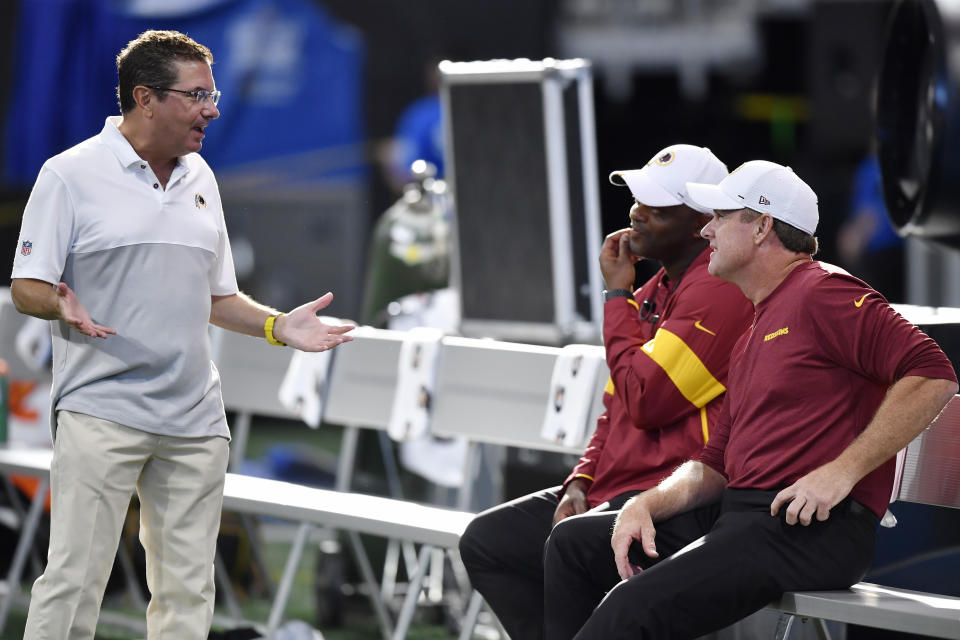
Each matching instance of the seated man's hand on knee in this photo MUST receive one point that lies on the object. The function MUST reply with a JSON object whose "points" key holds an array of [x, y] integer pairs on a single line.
{"points": [[634, 523]]}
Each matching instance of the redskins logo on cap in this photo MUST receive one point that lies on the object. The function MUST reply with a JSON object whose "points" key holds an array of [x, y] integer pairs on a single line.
{"points": [[664, 159]]}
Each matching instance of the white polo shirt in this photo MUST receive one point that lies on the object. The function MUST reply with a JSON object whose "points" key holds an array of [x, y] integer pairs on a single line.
{"points": [[144, 261]]}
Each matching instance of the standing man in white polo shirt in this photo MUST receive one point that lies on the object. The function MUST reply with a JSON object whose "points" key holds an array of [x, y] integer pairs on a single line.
{"points": [[123, 246]]}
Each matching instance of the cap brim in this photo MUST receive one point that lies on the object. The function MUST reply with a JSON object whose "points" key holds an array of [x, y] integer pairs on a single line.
{"points": [[710, 196], [645, 190]]}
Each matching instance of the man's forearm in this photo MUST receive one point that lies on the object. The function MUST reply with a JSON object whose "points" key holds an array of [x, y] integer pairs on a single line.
{"points": [[239, 313], [910, 405], [691, 485], [35, 298]]}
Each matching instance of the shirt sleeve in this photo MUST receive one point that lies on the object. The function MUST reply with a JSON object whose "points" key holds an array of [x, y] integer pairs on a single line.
{"points": [[680, 370], [223, 277], [586, 467], [46, 231], [877, 341], [713, 453]]}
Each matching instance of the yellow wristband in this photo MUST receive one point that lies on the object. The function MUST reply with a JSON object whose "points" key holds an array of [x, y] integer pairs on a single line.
{"points": [[268, 330]]}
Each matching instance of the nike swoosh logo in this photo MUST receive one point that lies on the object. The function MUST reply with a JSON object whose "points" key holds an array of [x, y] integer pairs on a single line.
{"points": [[703, 328], [859, 303]]}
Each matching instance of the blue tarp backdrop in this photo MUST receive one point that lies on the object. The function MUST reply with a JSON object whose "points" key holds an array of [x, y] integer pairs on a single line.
{"points": [[291, 77]]}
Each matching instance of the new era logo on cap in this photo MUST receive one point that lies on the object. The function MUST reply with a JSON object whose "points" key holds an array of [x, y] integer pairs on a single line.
{"points": [[763, 200], [663, 181]]}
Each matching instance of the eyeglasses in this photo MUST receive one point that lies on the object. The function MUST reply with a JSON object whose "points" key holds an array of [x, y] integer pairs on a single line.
{"points": [[199, 95]]}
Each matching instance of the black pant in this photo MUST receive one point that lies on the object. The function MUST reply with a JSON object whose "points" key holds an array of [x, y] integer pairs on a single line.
{"points": [[502, 549], [734, 559]]}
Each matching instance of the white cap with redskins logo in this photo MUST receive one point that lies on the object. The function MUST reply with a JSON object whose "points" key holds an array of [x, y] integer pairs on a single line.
{"points": [[663, 182], [765, 187]]}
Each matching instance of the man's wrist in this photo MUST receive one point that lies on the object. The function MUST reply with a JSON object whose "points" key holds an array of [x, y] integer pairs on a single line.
{"points": [[610, 294], [269, 328]]}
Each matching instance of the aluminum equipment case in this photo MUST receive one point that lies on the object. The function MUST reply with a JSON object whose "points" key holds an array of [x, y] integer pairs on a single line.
{"points": [[521, 162]]}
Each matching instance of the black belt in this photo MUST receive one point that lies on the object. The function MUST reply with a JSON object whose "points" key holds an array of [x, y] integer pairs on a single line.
{"points": [[860, 510], [745, 499]]}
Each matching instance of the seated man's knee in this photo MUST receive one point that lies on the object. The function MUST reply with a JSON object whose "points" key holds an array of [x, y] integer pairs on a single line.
{"points": [[476, 539], [566, 532]]}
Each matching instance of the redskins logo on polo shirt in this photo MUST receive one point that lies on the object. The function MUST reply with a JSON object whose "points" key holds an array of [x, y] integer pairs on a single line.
{"points": [[200, 201]]}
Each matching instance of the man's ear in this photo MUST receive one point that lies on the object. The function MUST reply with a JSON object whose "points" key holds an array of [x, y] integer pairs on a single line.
{"points": [[144, 99], [763, 229]]}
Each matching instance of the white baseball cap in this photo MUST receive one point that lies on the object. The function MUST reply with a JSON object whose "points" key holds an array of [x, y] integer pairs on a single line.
{"points": [[765, 187], [663, 182]]}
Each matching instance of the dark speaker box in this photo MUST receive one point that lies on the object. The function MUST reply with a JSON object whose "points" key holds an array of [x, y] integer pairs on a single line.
{"points": [[521, 163]]}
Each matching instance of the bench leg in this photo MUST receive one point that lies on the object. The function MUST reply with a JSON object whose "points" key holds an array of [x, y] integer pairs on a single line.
{"points": [[239, 433], [366, 571], [784, 624], [470, 618], [413, 593], [391, 564], [248, 523], [347, 458], [435, 581], [21, 510], [286, 582], [822, 631], [471, 467], [27, 534], [222, 577]]}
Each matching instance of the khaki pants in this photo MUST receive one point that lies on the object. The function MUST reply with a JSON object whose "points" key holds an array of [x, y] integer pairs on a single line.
{"points": [[96, 466]]}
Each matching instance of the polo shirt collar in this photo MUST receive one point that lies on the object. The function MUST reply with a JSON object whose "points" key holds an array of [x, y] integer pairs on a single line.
{"points": [[121, 147]]}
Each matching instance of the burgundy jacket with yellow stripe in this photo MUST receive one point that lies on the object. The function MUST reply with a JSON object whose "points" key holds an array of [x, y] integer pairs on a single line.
{"points": [[667, 378]]}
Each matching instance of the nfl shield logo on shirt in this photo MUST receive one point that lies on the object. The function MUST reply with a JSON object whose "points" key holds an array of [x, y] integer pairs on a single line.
{"points": [[26, 247]]}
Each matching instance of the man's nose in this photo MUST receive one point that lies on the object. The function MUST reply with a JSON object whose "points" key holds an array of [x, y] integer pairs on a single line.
{"points": [[210, 110], [707, 231]]}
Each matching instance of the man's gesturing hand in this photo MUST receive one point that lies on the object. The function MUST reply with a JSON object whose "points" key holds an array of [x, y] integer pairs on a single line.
{"points": [[302, 329], [75, 315], [633, 523]]}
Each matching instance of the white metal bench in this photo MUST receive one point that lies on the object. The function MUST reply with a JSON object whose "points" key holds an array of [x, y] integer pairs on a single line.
{"points": [[931, 475]]}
